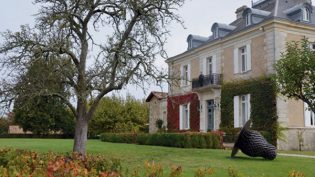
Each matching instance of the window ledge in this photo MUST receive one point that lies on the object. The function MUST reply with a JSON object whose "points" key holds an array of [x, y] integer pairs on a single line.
{"points": [[243, 73]]}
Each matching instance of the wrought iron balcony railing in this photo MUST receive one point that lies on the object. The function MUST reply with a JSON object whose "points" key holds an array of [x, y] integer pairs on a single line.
{"points": [[206, 80]]}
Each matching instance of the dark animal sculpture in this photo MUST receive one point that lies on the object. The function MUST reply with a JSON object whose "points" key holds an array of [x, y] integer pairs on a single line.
{"points": [[253, 144]]}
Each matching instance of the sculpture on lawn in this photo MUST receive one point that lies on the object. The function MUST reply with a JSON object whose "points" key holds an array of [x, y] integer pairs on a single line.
{"points": [[253, 144]]}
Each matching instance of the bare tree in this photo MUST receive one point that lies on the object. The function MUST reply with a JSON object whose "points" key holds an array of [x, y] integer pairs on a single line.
{"points": [[133, 33]]}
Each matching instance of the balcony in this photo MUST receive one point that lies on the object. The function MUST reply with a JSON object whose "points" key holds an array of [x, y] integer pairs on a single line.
{"points": [[208, 81]]}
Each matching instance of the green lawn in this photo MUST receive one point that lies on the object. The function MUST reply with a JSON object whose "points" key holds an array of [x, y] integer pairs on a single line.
{"points": [[190, 159]]}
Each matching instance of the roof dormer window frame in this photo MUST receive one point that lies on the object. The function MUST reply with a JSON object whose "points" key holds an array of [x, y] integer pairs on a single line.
{"points": [[216, 33], [306, 14], [248, 19]]}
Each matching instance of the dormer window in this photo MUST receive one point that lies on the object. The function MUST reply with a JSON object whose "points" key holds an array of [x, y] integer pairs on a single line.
{"points": [[216, 33], [248, 19], [300, 12], [306, 14], [220, 30]]}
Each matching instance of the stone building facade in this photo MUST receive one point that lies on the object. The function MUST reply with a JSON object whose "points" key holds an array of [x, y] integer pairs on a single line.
{"points": [[245, 49]]}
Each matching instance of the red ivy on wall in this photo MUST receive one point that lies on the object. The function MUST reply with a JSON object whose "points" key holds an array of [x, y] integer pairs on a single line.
{"points": [[173, 104]]}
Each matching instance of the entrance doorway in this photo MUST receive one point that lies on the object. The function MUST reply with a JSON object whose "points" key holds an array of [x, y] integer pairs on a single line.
{"points": [[210, 116]]}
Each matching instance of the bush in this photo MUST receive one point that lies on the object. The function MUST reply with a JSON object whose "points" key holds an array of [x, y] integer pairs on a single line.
{"points": [[119, 115], [50, 136], [4, 126], [182, 140], [27, 163]]}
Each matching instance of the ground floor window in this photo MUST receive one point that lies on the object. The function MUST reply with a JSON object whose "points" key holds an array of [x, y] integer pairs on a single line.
{"points": [[309, 116], [184, 117], [241, 110]]}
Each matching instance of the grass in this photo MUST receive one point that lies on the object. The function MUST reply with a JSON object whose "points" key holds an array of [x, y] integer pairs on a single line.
{"points": [[190, 159]]}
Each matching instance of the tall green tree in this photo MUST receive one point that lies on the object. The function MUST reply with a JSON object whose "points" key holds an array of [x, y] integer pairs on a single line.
{"points": [[115, 114], [4, 125], [132, 34], [295, 72], [42, 113]]}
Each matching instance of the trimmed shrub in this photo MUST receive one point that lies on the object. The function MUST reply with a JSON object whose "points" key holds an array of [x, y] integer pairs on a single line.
{"points": [[182, 140], [119, 138], [50, 136]]}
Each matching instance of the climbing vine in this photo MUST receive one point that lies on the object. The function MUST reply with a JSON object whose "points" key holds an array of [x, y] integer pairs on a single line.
{"points": [[263, 106], [173, 104]]}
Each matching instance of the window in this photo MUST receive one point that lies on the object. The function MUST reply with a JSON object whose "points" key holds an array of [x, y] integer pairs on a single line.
{"points": [[309, 116], [248, 19], [244, 109], [216, 33], [242, 59], [185, 74], [209, 65], [241, 110], [184, 123], [190, 44], [312, 46], [306, 14]]}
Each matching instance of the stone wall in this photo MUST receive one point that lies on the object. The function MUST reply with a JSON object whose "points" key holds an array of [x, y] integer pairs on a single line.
{"points": [[298, 139]]}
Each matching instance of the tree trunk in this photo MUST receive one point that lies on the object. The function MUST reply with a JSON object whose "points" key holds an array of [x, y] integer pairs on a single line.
{"points": [[80, 136]]}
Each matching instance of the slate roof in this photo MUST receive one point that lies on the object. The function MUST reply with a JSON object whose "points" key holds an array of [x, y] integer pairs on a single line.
{"points": [[267, 9], [197, 37], [225, 26]]}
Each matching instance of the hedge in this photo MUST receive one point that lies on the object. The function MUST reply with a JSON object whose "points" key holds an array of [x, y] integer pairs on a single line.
{"points": [[212, 140], [50, 136]]}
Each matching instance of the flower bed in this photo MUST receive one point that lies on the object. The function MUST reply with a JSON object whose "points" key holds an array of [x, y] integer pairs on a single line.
{"points": [[22, 163]]}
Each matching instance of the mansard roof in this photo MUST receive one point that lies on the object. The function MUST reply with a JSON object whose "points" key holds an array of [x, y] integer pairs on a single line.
{"points": [[223, 26], [265, 10], [256, 12], [197, 38], [297, 7]]}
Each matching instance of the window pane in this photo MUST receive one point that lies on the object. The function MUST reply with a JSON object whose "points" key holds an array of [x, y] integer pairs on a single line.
{"points": [[185, 74], [244, 110], [209, 65], [243, 59], [185, 118]]}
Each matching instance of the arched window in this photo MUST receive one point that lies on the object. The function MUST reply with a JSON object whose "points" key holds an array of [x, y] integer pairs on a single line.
{"points": [[248, 19], [306, 14]]}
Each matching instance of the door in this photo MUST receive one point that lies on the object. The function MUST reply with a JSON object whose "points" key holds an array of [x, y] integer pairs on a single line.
{"points": [[210, 114]]}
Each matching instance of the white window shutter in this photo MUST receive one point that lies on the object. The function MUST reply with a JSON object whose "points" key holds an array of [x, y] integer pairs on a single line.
{"points": [[307, 115], [249, 57], [214, 64], [189, 73], [236, 61], [188, 107], [248, 107], [180, 117], [236, 106], [181, 75]]}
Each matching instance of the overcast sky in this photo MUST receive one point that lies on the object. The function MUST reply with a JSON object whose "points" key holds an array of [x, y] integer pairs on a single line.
{"points": [[198, 16]]}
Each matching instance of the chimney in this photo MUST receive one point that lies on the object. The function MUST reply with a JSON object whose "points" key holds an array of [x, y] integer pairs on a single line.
{"points": [[239, 11]]}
